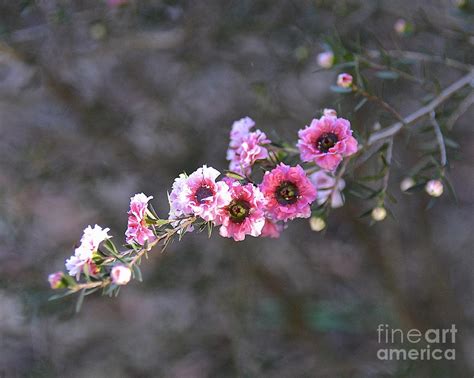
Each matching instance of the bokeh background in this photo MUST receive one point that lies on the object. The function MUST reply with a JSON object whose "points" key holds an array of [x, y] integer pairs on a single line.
{"points": [[98, 102]]}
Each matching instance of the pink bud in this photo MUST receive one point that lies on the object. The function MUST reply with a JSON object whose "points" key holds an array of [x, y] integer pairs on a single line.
{"points": [[344, 80], [56, 280], [325, 59], [400, 26], [434, 188], [120, 274]]}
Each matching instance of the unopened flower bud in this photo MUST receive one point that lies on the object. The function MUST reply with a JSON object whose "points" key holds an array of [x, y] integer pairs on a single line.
{"points": [[344, 80], [434, 188], [56, 280], [400, 26], [325, 59], [406, 184], [120, 274], [329, 113], [317, 224], [379, 213]]}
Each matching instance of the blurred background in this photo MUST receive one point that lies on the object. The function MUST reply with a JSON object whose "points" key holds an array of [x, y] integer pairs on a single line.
{"points": [[100, 100]]}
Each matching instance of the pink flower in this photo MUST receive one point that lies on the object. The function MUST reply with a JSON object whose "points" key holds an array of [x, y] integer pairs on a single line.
{"points": [[249, 152], [288, 193], [344, 80], [325, 59], [176, 198], [240, 129], [271, 229], [244, 213], [90, 241], [120, 274], [56, 280], [245, 147], [326, 141], [324, 184], [137, 229], [199, 194]]}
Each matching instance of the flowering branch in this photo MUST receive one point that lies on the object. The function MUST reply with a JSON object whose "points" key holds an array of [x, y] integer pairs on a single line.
{"points": [[300, 180], [424, 111]]}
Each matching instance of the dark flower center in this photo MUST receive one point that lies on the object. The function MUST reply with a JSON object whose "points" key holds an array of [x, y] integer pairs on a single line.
{"points": [[326, 141], [238, 210], [202, 193], [287, 193]]}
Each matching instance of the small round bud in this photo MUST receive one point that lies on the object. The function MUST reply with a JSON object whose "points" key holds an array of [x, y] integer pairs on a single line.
{"points": [[406, 184], [120, 274], [329, 113], [317, 224], [434, 188], [325, 59], [344, 80], [379, 213], [400, 26], [56, 280]]}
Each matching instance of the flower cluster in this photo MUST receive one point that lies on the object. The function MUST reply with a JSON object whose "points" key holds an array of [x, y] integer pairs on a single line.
{"points": [[246, 147], [231, 201], [272, 182]]}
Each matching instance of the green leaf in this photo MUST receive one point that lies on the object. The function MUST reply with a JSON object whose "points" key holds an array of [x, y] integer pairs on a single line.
{"points": [[387, 75], [234, 175], [137, 273], [209, 229], [62, 295], [161, 222], [416, 188], [337, 89], [360, 104], [80, 300], [366, 213], [451, 143]]}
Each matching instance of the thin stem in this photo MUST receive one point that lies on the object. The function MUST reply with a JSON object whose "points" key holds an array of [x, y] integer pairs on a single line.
{"points": [[388, 159], [107, 281], [422, 112], [377, 66], [419, 56], [379, 101], [439, 138]]}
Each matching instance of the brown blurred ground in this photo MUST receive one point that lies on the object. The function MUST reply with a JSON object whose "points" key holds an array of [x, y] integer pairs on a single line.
{"points": [[97, 104]]}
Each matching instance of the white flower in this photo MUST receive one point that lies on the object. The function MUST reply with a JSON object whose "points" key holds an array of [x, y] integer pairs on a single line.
{"points": [[120, 274], [90, 241], [324, 184], [92, 237]]}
